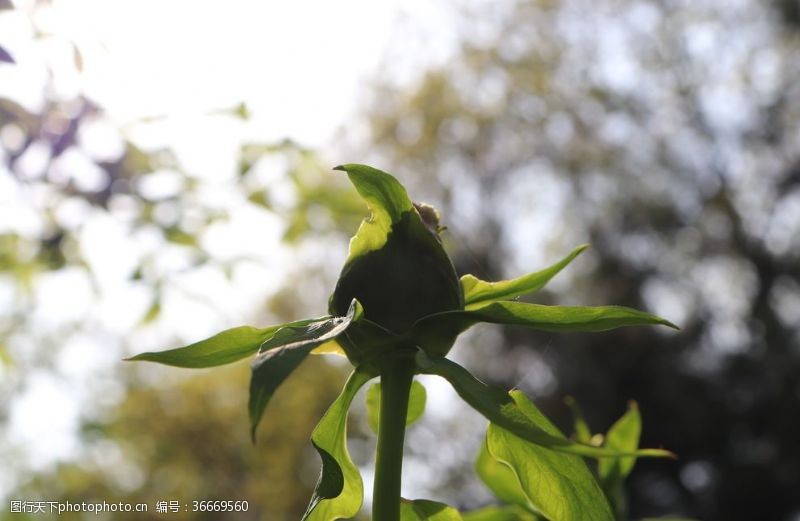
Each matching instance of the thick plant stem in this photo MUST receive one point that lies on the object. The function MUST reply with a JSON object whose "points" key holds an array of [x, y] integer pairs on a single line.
{"points": [[396, 380]]}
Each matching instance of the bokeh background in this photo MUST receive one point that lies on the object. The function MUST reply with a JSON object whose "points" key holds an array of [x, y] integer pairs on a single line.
{"points": [[165, 173]]}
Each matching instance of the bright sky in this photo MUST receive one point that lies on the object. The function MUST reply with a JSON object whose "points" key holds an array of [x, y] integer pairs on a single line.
{"points": [[300, 66]]}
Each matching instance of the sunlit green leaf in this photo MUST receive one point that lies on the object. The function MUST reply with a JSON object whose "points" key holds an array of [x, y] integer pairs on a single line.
{"points": [[426, 510], [284, 351], [442, 327], [559, 486], [540, 480], [223, 348], [504, 513], [623, 436], [386, 198], [339, 491], [416, 404], [477, 291], [500, 479], [512, 411]]}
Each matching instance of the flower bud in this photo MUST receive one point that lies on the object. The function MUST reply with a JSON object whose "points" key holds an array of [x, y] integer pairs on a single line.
{"points": [[409, 276]]}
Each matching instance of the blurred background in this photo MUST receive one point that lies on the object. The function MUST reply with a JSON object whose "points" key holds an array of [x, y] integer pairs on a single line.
{"points": [[165, 173]]}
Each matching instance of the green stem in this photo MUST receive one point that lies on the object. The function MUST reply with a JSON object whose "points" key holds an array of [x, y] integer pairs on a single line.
{"points": [[396, 380]]}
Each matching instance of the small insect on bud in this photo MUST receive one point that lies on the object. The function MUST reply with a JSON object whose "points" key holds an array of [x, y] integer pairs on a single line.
{"points": [[430, 217]]}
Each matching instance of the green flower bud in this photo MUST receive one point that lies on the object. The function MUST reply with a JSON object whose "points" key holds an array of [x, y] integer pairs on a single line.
{"points": [[397, 269]]}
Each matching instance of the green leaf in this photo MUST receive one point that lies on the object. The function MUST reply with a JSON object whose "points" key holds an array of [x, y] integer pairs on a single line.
{"points": [[582, 432], [339, 491], [504, 513], [284, 351], [500, 479], [558, 486], [439, 327], [513, 411], [623, 436], [477, 291], [416, 404], [223, 348], [426, 510], [386, 198]]}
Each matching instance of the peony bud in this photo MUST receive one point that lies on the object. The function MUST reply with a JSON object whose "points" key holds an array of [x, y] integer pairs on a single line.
{"points": [[397, 269]]}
